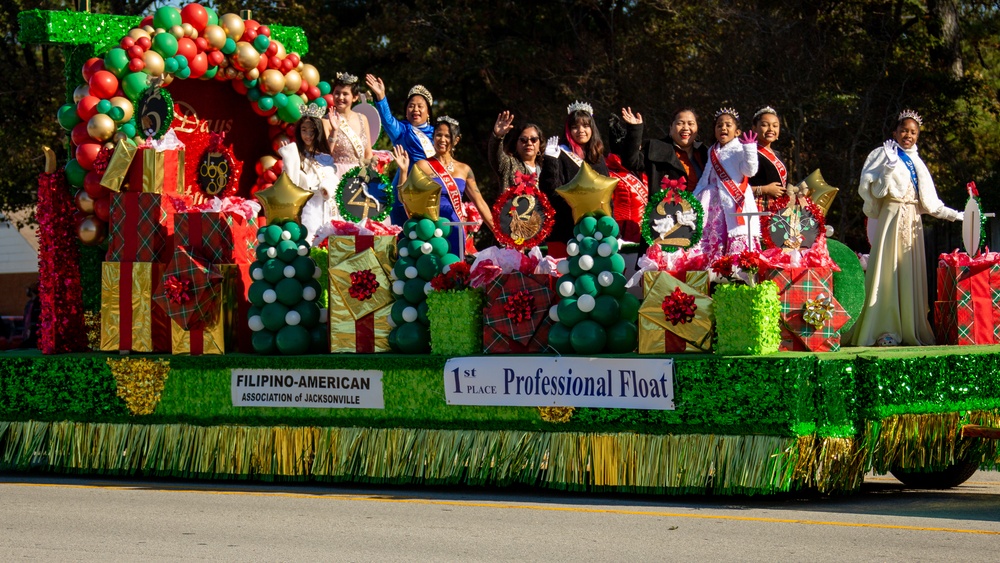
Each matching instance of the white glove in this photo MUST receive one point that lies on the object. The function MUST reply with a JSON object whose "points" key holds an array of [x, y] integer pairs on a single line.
{"points": [[291, 162], [552, 147], [891, 157], [956, 215]]}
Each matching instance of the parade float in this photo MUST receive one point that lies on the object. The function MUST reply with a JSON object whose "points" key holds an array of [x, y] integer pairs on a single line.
{"points": [[190, 332]]}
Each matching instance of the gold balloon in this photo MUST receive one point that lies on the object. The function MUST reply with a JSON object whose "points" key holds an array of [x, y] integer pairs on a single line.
{"points": [[273, 119], [280, 53], [101, 127], [167, 79], [177, 31], [252, 74], [84, 202], [137, 32], [149, 30], [125, 104], [246, 57], [81, 92], [293, 81], [588, 192], [234, 26], [267, 161], [92, 230], [310, 75], [154, 63], [273, 80], [189, 30], [215, 35], [420, 195], [820, 192], [283, 201]]}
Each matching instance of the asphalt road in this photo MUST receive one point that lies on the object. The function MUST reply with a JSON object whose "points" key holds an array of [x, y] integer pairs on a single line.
{"points": [[61, 519]]}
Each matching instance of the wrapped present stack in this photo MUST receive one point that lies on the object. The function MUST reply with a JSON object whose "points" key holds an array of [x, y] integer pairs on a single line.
{"points": [[811, 317], [967, 310], [675, 316], [518, 297]]}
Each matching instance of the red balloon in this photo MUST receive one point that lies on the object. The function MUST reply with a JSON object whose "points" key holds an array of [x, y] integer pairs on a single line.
{"points": [[240, 87], [144, 43], [92, 185], [294, 57], [215, 58], [274, 130], [148, 20], [87, 107], [272, 48], [264, 30], [198, 65], [126, 42], [250, 26], [103, 84], [269, 176], [286, 65], [92, 65], [311, 92], [187, 48], [195, 15], [79, 134], [136, 64], [261, 112], [135, 52], [202, 44], [290, 130], [273, 61], [86, 154], [329, 100], [102, 208], [278, 167], [262, 64]]}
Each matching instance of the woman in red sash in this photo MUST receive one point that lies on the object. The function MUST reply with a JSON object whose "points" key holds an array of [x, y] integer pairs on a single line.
{"points": [[456, 178], [771, 178]]}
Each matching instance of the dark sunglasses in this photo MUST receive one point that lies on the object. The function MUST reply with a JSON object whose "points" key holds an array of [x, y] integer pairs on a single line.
{"points": [[529, 139]]}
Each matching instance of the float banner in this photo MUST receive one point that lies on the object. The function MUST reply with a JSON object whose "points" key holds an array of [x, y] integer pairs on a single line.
{"points": [[309, 388], [532, 381]]}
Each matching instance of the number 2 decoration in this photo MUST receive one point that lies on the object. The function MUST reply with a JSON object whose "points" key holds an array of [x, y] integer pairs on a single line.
{"points": [[673, 218]]}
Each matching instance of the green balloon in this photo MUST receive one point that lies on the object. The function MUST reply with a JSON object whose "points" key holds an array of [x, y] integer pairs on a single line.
{"points": [[287, 251], [265, 103], [574, 266], [304, 268], [559, 339], [291, 113], [607, 226], [617, 287], [617, 263], [213, 17], [170, 65], [166, 45], [274, 270], [272, 234], [399, 268], [280, 100], [396, 312], [440, 245], [261, 252], [75, 173], [422, 313], [563, 279], [289, 291], [103, 106], [182, 61], [183, 73], [116, 113], [408, 227], [425, 229], [273, 316], [569, 313], [441, 224], [588, 337], [210, 73], [413, 291], [588, 246], [230, 47], [308, 313], [116, 61], [449, 259], [263, 342], [587, 226], [611, 242], [67, 117], [256, 292], [585, 285], [319, 339], [623, 337], [128, 129], [134, 83], [414, 247], [254, 95], [393, 342], [295, 230], [607, 310], [428, 266], [166, 17], [629, 307], [293, 340], [413, 338], [261, 42], [602, 264], [324, 88]]}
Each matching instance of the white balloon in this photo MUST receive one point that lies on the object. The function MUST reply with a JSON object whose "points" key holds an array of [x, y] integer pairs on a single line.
{"points": [[572, 249], [398, 286], [261, 238], [438, 233], [566, 289], [404, 251], [604, 249], [272, 252], [554, 313], [410, 272], [317, 273], [303, 250], [605, 279], [324, 315], [562, 267], [586, 303], [580, 237], [309, 293], [392, 323], [413, 235], [428, 288], [289, 271], [598, 235], [410, 314], [270, 296], [292, 318], [255, 323], [285, 235], [426, 248], [586, 263], [257, 273]]}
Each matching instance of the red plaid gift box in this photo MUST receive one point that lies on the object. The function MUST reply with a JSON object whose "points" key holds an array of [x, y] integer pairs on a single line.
{"points": [[218, 237], [967, 311], [516, 317], [796, 287], [190, 291], [157, 172], [141, 228]]}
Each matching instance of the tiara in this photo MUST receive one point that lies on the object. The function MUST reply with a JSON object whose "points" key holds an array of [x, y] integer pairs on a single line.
{"points": [[449, 120], [313, 110], [727, 111], [419, 90], [910, 114], [762, 111], [580, 106], [345, 78]]}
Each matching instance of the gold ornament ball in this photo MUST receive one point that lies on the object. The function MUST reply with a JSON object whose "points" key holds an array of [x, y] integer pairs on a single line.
{"points": [[267, 161], [80, 93], [101, 127], [234, 26], [167, 80], [177, 31], [189, 31], [154, 63], [84, 202], [125, 104], [252, 74], [230, 73], [110, 145], [137, 32], [273, 119], [293, 81], [92, 230], [280, 53], [215, 35], [273, 80], [310, 75], [246, 57], [119, 136]]}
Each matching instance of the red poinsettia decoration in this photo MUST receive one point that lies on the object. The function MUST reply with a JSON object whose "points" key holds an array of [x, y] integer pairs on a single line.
{"points": [[457, 278], [363, 285], [179, 290], [749, 261], [679, 307], [724, 266], [519, 306]]}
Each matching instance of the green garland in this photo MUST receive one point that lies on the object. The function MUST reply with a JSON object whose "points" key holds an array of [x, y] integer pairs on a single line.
{"points": [[164, 125], [655, 199], [354, 173], [747, 318], [456, 322]]}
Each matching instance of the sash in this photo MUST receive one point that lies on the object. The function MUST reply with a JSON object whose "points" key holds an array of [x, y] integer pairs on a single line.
{"points": [[735, 192], [632, 183], [450, 186], [778, 165], [352, 136], [424, 141], [572, 156], [911, 167]]}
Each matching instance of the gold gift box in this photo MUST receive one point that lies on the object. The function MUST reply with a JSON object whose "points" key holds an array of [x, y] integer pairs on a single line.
{"points": [[343, 310], [653, 324], [220, 335], [698, 280], [343, 330], [121, 161], [149, 173], [149, 326]]}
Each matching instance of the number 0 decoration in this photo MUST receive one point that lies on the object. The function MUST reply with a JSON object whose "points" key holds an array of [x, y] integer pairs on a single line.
{"points": [[673, 217], [217, 174], [364, 193], [523, 214]]}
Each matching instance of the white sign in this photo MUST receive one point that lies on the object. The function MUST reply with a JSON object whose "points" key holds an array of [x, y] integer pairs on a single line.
{"points": [[311, 388], [523, 381]]}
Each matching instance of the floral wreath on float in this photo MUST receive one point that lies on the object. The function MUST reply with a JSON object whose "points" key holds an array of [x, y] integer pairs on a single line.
{"points": [[526, 228], [658, 223]]}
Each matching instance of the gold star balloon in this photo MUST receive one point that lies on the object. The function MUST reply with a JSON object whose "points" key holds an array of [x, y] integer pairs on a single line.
{"points": [[820, 192], [283, 201], [588, 192], [421, 195]]}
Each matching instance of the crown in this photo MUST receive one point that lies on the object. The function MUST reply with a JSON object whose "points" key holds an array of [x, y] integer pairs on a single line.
{"points": [[764, 110], [449, 120], [580, 106], [313, 110], [910, 114], [346, 78], [419, 90], [727, 111]]}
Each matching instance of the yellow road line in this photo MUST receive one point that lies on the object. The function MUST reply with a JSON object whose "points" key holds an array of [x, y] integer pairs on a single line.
{"points": [[571, 509], [894, 480]]}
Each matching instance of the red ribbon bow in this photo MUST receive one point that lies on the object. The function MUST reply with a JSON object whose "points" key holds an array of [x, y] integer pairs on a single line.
{"points": [[179, 290], [679, 307], [519, 306], [363, 285], [679, 184]]}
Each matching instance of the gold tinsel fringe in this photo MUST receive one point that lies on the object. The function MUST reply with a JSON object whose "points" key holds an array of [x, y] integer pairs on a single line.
{"points": [[139, 382], [928, 441]]}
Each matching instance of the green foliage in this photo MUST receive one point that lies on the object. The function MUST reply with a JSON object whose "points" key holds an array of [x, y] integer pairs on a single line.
{"points": [[747, 319], [58, 388], [456, 322]]}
